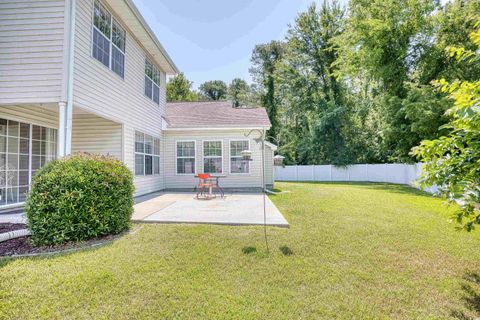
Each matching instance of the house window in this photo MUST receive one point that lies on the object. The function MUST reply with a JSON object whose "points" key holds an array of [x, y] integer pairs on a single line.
{"points": [[108, 40], [185, 157], [237, 165], [147, 154], [212, 157], [24, 148], [152, 81]]}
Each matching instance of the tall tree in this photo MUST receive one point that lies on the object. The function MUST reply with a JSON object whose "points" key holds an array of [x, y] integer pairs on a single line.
{"points": [[385, 39], [452, 162], [452, 26], [179, 89], [313, 101], [214, 90], [264, 61], [239, 92], [358, 89]]}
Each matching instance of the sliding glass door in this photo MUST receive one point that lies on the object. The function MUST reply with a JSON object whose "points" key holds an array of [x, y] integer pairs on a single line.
{"points": [[24, 148]]}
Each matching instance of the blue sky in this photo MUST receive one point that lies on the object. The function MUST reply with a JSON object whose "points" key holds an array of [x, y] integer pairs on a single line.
{"points": [[213, 39]]}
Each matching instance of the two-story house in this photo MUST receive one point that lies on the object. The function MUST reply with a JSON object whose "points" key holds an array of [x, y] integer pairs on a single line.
{"points": [[90, 76]]}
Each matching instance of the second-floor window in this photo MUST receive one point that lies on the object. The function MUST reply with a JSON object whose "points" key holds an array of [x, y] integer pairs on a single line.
{"points": [[108, 39], [152, 81]]}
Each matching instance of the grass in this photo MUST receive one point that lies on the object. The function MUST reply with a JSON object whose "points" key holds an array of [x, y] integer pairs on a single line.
{"points": [[353, 251]]}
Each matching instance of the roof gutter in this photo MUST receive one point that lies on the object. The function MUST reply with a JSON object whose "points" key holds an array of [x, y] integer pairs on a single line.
{"points": [[147, 29], [216, 128]]}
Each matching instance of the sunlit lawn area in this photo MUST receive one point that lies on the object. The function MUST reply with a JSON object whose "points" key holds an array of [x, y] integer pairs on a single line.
{"points": [[352, 251]]}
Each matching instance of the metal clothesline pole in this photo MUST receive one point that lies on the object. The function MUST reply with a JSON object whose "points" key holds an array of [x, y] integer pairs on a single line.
{"points": [[264, 192], [262, 137]]}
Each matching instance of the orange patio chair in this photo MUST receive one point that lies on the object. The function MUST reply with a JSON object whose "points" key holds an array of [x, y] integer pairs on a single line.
{"points": [[204, 184]]}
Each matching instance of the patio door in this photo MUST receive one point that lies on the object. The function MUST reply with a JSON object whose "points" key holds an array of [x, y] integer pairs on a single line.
{"points": [[24, 148]]}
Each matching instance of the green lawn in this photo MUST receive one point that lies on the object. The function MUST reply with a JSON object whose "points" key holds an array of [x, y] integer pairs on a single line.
{"points": [[356, 251]]}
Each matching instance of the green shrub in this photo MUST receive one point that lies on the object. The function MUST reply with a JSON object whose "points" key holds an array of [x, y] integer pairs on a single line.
{"points": [[80, 197]]}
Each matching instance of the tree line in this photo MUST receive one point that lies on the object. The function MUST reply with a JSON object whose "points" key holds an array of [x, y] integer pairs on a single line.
{"points": [[179, 88], [354, 84]]}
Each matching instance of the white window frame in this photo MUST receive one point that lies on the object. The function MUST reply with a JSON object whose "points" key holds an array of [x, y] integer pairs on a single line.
{"points": [[153, 155], [230, 158], [30, 154], [211, 157], [153, 82], [109, 40], [194, 157]]}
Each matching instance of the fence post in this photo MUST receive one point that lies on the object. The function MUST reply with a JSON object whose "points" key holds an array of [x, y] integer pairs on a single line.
{"points": [[366, 172], [406, 170], [313, 172], [296, 172], [330, 172]]}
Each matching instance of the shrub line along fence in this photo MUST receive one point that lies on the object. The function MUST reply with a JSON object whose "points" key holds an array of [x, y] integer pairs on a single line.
{"points": [[390, 173]]}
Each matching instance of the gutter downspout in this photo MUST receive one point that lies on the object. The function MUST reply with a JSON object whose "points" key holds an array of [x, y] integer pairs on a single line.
{"points": [[71, 60], [162, 158], [66, 107]]}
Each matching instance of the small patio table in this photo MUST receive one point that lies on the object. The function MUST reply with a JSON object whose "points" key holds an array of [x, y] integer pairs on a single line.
{"points": [[216, 184]]}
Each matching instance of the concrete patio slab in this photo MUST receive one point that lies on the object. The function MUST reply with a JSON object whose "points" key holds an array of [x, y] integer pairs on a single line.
{"points": [[144, 209], [234, 209]]}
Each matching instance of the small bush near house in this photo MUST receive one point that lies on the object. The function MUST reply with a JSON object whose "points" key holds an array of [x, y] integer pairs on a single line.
{"points": [[78, 198]]}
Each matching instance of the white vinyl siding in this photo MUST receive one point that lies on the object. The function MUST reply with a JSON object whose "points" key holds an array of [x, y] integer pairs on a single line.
{"points": [[31, 51], [42, 116], [100, 91], [175, 181], [94, 134]]}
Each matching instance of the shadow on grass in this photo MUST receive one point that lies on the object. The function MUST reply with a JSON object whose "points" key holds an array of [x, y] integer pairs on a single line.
{"points": [[470, 298], [286, 251], [249, 250]]}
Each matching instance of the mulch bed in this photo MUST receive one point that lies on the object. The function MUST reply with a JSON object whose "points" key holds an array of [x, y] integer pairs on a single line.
{"points": [[24, 246]]}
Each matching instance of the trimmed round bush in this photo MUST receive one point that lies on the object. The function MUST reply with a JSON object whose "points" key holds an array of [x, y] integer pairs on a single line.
{"points": [[80, 197]]}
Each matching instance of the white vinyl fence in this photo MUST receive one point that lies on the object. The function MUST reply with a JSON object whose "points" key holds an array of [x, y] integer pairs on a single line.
{"points": [[391, 173]]}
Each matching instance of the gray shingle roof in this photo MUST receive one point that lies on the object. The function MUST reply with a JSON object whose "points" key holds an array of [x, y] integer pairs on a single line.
{"points": [[214, 114]]}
